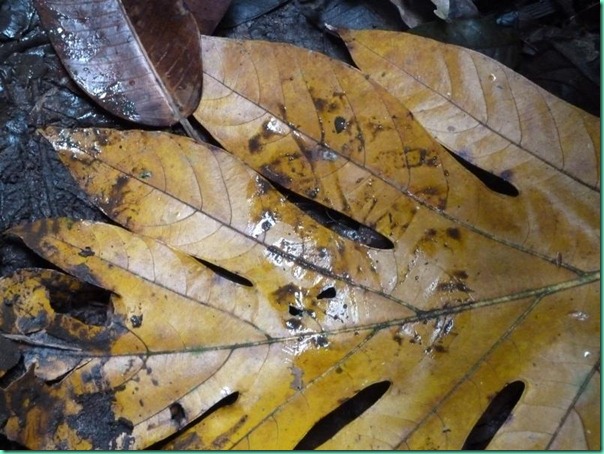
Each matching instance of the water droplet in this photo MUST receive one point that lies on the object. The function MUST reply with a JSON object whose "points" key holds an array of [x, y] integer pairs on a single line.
{"points": [[492, 77], [275, 126], [578, 315]]}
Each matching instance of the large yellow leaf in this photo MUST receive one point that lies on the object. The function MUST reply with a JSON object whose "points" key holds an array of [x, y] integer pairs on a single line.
{"points": [[480, 289], [381, 163], [482, 109]]}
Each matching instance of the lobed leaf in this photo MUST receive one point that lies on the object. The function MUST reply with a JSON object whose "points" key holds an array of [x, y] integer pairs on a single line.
{"points": [[480, 289]]}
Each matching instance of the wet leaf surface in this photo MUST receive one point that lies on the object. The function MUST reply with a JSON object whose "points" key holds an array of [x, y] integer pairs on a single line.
{"points": [[139, 60], [460, 305], [147, 343]]}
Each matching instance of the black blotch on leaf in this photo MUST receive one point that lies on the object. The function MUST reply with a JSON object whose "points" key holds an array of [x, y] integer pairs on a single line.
{"points": [[454, 233], [494, 416], [293, 323], [339, 124], [86, 252], [320, 341], [96, 422], [490, 180], [329, 292], [226, 274], [136, 320], [348, 411], [453, 286], [337, 222], [255, 144]]}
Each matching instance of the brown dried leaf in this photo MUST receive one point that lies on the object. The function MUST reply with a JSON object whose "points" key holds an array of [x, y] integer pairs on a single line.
{"points": [[139, 60]]}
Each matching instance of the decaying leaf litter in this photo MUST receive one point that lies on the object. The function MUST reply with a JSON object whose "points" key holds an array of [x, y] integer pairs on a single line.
{"points": [[332, 356]]}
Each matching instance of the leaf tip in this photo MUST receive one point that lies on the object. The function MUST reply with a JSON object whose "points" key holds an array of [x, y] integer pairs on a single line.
{"points": [[48, 131]]}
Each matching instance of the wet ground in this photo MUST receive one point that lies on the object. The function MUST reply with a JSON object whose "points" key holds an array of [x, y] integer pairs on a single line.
{"points": [[557, 48]]}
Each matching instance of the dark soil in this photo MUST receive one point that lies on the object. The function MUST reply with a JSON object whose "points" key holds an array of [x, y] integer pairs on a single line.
{"points": [[556, 48]]}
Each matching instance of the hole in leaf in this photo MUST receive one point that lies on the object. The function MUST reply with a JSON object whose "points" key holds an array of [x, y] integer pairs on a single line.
{"points": [[295, 311], [224, 402], [177, 413], [226, 274], [337, 222], [85, 302], [329, 292], [494, 416], [347, 412], [490, 180]]}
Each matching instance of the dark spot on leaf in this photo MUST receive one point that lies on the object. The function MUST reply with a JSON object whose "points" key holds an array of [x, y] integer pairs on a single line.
{"points": [[226, 274], [136, 320], [490, 180], [344, 414], [429, 190], [430, 233], [440, 349], [339, 124], [86, 252], [453, 286], [496, 414], [145, 174], [82, 272], [320, 104], [329, 292], [313, 193], [286, 294], [275, 176], [293, 323], [110, 203], [320, 341], [454, 233], [255, 144], [460, 274], [417, 157], [94, 376]]}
